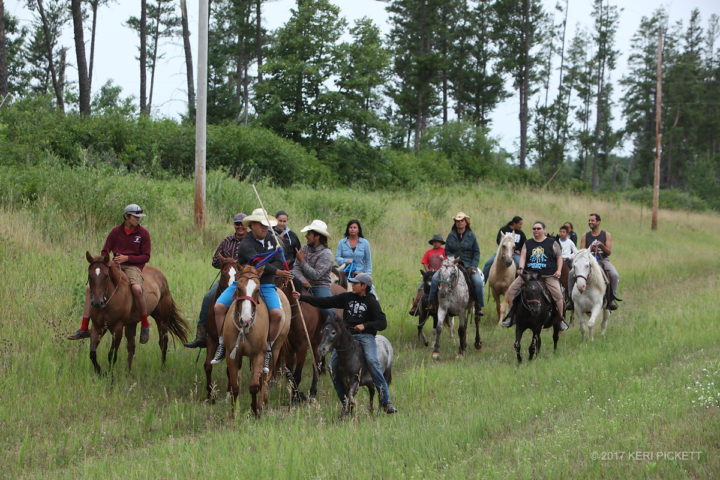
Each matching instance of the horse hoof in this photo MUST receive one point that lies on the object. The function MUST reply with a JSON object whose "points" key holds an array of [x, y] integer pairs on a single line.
{"points": [[459, 356], [436, 355], [478, 345]]}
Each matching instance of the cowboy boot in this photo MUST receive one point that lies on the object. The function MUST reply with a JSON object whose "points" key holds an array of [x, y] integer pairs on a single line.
{"points": [[200, 337], [560, 321], [414, 310], [79, 334]]}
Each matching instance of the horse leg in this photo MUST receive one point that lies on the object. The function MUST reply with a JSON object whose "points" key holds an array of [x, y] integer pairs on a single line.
{"points": [[297, 395], [478, 342], [130, 337], [233, 371], [603, 325], [462, 333], [371, 392], [116, 339], [533, 344], [556, 335], [518, 336], [438, 332], [211, 344], [496, 297], [256, 363], [163, 340], [581, 322], [95, 337], [421, 323]]}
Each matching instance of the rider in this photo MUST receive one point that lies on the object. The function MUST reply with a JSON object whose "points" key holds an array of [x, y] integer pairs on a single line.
{"points": [[461, 243], [514, 226], [568, 247], [353, 251], [363, 316], [290, 240], [314, 261], [257, 241], [540, 254], [228, 248], [600, 243], [431, 262], [130, 245]]}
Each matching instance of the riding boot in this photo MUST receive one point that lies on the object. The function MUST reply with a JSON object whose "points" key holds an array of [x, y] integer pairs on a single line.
{"points": [[200, 337], [509, 321], [414, 310], [268, 356]]}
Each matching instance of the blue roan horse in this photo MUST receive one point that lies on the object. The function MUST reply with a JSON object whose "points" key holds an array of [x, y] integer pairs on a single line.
{"points": [[534, 311]]}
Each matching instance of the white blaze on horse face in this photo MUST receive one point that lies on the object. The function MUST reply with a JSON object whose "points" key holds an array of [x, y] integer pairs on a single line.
{"points": [[97, 272], [247, 306], [231, 275]]}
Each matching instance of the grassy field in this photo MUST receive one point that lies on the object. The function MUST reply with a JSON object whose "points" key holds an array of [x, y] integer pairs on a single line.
{"points": [[644, 402]]}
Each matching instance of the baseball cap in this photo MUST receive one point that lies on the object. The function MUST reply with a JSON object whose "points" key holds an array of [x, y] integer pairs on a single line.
{"points": [[239, 217], [362, 278], [134, 210]]}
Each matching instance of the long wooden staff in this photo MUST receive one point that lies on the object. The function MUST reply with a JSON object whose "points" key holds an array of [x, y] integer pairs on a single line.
{"points": [[302, 317]]}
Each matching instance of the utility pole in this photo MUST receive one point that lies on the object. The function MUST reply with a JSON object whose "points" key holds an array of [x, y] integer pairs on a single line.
{"points": [[658, 134], [201, 114]]}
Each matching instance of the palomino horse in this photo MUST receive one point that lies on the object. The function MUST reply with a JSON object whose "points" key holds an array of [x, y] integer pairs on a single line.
{"points": [[589, 292], [454, 299], [112, 308], [228, 269], [296, 347], [351, 369], [245, 334], [502, 272], [535, 312]]}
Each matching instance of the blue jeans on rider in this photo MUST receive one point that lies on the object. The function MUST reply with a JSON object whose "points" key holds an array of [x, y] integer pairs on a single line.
{"points": [[207, 301], [267, 292], [369, 348], [476, 280], [488, 264], [323, 292]]}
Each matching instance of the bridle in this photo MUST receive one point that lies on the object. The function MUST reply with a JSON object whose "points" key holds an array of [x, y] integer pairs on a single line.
{"points": [[105, 298], [452, 282], [526, 302], [585, 277]]}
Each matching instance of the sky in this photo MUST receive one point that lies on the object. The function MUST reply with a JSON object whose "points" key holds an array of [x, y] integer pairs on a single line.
{"points": [[116, 47]]}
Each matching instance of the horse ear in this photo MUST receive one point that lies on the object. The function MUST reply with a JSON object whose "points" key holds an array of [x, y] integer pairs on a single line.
{"points": [[457, 260], [106, 258], [88, 256], [260, 271]]}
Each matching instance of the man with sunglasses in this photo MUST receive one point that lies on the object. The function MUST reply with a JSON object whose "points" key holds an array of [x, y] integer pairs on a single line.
{"points": [[228, 248], [130, 245], [540, 254]]}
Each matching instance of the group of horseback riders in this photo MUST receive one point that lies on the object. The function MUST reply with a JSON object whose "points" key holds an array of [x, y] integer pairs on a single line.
{"points": [[541, 254]]}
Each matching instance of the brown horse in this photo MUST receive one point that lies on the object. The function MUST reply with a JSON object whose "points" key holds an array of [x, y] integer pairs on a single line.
{"points": [[295, 350], [228, 270], [112, 308], [245, 335]]}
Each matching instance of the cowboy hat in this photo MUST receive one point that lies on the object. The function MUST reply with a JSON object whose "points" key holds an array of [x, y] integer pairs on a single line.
{"points": [[259, 215], [436, 238], [317, 226], [461, 216]]}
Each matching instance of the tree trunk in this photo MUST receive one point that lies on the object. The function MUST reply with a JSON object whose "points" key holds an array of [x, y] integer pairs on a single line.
{"points": [[83, 80], [3, 55], [188, 60], [57, 85], [143, 58], [156, 40], [94, 4], [258, 39], [525, 87]]}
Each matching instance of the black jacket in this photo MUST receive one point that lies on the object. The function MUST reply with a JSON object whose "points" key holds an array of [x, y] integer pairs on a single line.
{"points": [[357, 309], [249, 247]]}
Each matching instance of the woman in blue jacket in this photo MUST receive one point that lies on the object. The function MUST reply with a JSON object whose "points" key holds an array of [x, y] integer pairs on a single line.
{"points": [[353, 251]]}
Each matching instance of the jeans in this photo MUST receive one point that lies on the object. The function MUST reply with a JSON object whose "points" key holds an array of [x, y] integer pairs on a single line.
{"points": [[488, 264], [323, 292], [369, 348], [477, 281], [207, 301]]}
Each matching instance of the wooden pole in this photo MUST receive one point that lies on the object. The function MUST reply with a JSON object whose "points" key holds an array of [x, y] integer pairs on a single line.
{"points": [[201, 115], [292, 285], [658, 134]]}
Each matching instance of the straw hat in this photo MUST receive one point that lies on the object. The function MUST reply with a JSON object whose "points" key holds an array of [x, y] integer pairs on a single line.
{"points": [[259, 215], [462, 215], [317, 226]]}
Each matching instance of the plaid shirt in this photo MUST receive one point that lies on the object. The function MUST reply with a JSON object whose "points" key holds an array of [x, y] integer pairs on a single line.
{"points": [[228, 248], [316, 266]]}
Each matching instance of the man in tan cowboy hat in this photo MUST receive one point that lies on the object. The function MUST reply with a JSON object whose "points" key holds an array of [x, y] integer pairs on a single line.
{"points": [[130, 244], [313, 262], [431, 261], [258, 240]]}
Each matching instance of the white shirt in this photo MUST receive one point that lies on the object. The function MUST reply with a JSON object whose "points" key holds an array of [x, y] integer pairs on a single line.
{"points": [[568, 248]]}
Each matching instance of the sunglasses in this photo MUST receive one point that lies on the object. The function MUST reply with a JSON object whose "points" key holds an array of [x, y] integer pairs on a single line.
{"points": [[537, 228], [238, 224]]}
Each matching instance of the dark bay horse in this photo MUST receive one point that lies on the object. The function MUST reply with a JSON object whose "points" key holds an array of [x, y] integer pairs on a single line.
{"points": [[296, 347], [245, 334], [534, 311], [351, 369], [424, 307], [112, 308], [228, 269]]}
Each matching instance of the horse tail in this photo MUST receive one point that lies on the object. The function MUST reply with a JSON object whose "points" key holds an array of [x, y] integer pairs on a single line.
{"points": [[177, 325]]}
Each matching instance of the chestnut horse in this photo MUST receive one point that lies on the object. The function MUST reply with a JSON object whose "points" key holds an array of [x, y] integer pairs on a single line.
{"points": [[245, 334], [502, 272], [228, 269], [296, 347], [112, 308]]}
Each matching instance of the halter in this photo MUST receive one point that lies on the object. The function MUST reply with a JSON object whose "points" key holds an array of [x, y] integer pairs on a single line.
{"points": [[585, 277], [453, 278], [105, 298]]}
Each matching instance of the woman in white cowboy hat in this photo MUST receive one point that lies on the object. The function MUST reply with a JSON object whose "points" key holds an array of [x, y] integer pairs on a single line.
{"points": [[258, 240], [314, 261], [461, 243]]}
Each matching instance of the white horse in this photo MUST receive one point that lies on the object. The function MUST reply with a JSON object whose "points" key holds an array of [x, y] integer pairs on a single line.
{"points": [[502, 272], [454, 300], [589, 292]]}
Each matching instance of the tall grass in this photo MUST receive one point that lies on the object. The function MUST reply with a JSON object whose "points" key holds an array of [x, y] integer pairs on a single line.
{"points": [[482, 417]]}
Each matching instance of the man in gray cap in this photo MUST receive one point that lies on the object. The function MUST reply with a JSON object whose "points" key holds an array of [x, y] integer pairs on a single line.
{"points": [[130, 245], [228, 248], [363, 316]]}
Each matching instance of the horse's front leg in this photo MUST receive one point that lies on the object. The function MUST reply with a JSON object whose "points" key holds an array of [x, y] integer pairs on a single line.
{"points": [[478, 342], [462, 333], [421, 323], [256, 365], [556, 335], [533, 346], [438, 332], [352, 389], [95, 337], [518, 336], [603, 325], [116, 339], [130, 337]]}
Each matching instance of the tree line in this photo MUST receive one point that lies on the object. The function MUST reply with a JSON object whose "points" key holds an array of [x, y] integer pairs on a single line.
{"points": [[346, 91]]}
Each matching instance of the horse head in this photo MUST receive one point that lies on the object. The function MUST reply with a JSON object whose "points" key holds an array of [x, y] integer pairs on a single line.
{"points": [[506, 248], [247, 294], [426, 281], [100, 281], [533, 295], [228, 271], [331, 334], [447, 275], [582, 266]]}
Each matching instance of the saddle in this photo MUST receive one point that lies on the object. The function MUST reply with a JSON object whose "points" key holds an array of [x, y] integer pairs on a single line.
{"points": [[468, 281]]}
